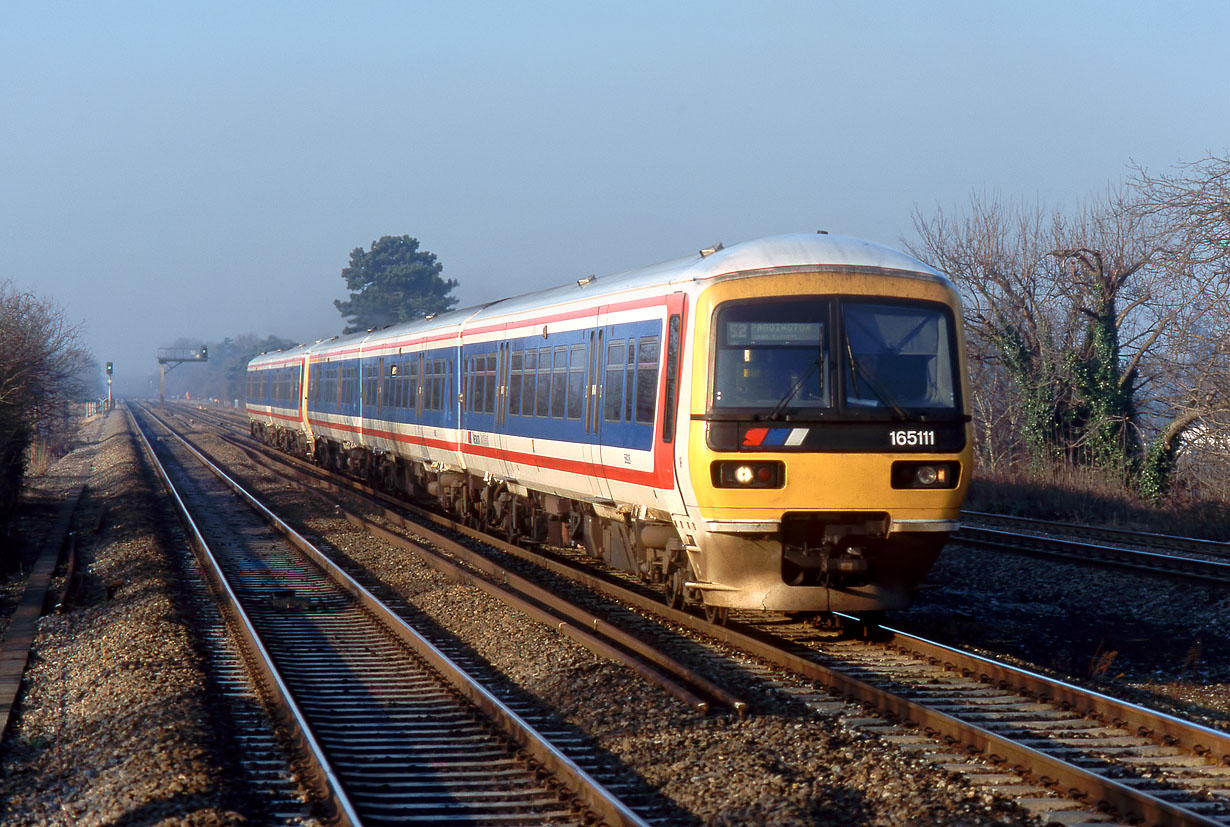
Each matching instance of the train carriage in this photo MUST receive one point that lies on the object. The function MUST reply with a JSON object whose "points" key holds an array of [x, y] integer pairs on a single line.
{"points": [[779, 425], [275, 398]]}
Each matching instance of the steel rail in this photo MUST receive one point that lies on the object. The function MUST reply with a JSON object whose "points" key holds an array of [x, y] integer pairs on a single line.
{"points": [[1211, 744], [1168, 565], [1048, 770], [587, 629], [1143, 538], [577, 781], [320, 773]]}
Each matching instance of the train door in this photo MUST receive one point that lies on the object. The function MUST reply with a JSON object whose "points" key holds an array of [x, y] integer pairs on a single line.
{"points": [[594, 380], [302, 396], [503, 462]]}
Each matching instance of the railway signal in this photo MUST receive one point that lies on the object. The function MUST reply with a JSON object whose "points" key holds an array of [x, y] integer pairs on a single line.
{"points": [[176, 356]]}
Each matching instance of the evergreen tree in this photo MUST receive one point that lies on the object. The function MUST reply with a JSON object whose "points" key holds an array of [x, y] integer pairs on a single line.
{"points": [[393, 282]]}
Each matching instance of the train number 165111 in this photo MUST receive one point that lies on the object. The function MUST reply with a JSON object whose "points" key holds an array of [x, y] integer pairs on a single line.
{"points": [[911, 438]]}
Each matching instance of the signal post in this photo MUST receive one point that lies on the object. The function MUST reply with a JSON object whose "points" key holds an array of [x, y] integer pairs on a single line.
{"points": [[173, 356]]}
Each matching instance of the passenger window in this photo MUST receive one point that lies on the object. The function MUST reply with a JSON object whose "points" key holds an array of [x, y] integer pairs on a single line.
{"points": [[543, 394], [489, 389], [630, 381], [613, 399], [527, 382], [559, 383], [576, 382], [646, 379], [514, 383]]}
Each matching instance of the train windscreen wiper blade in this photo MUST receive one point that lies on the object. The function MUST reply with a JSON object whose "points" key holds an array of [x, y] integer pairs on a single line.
{"points": [[794, 389], [882, 393]]}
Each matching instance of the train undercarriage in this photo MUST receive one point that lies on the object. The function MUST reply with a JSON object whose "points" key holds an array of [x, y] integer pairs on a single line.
{"points": [[816, 564]]}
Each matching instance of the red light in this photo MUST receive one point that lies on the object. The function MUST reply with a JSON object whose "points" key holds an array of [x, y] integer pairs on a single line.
{"points": [[764, 473]]}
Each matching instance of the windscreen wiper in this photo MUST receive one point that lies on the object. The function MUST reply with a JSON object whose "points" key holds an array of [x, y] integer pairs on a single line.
{"points": [[794, 390], [882, 393]]}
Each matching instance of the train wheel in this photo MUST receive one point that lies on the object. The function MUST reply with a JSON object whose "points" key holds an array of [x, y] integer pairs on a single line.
{"points": [[717, 615], [674, 587]]}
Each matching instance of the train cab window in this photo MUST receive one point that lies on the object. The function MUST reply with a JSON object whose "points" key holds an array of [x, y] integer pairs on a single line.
{"points": [[646, 379], [673, 341], [898, 356], [613, 391], [559, 383], [771, 353]]}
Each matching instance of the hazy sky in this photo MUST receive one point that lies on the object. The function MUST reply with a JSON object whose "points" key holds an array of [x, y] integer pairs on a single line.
{"points": [[203, 170]]}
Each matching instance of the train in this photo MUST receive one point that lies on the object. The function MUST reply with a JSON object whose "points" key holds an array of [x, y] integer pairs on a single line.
{"points": [[779, 425]]}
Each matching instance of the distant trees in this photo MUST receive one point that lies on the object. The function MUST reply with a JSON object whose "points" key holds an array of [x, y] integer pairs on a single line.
{"points": [[41, 370], [393, 282], [1098, 337]]}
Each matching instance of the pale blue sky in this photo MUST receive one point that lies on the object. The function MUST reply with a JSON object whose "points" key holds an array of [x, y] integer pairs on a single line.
{"points": [[204, 169]]}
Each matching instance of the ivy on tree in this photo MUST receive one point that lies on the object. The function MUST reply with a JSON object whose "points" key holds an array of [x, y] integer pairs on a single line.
{"points": [[393, 282]]}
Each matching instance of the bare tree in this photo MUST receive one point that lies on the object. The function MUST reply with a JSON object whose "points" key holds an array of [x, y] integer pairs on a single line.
{"points": [[1193, 204], [1106, 342], [41, 364]]}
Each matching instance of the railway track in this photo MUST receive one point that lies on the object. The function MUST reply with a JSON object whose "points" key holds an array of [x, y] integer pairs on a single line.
{"points": [[388, 728], [1213, 549], [1062, 751], [1201, 561]]}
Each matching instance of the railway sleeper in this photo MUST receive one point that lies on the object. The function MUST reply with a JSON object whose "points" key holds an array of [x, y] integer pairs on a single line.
{"points": [[650, 549]]}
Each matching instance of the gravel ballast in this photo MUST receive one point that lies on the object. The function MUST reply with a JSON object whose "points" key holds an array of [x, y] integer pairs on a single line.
{"points": [[116, 726]]}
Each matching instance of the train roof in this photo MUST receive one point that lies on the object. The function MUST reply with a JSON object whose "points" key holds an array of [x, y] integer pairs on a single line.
{"points": [[782, 252], [794, 251]]}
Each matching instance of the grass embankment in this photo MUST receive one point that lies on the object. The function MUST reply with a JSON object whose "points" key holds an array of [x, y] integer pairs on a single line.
{"points": [[1080, 496]]}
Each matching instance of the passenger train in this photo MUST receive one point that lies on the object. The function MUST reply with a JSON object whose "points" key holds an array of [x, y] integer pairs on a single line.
{"points": [[778, 425]]}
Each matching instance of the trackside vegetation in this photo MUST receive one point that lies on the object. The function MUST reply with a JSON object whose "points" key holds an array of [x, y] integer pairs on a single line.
{"points": [[43, 369], [1099, 335]]}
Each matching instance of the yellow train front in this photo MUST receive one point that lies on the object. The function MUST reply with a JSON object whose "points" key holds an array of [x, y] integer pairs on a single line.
{"points": [[828, 443]]}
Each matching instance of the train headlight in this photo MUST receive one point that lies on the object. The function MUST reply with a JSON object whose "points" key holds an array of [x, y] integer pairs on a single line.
{"points": [[925, 474], [766, 474]]}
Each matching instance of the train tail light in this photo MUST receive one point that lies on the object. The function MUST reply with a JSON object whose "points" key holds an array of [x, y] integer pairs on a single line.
{"points": [[758, 474]]}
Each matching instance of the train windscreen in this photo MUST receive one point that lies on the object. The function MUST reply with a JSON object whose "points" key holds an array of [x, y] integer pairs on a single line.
{"points": [[812, 355]]}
